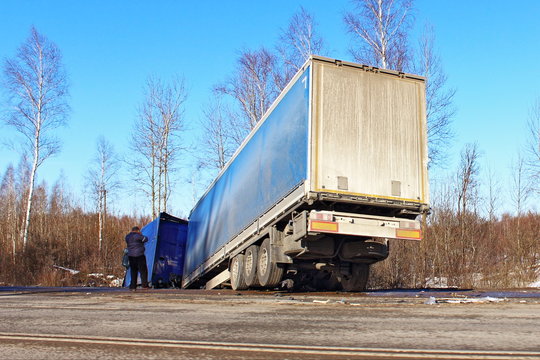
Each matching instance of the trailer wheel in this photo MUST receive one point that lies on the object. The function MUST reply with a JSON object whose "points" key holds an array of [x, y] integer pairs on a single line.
{"points": [[237, 273], [269, 272], [357, 280], [250, 265]]}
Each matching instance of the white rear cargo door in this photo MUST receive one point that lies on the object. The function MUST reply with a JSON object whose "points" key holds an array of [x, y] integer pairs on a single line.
{"points": [[368, 134]]}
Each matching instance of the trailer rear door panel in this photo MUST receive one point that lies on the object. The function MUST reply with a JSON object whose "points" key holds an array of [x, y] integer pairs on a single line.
{"points": [[368, 133]]}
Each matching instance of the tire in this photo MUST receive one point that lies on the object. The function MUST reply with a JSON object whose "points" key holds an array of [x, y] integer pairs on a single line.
{"points": [[268, 271], [251, 257], [237, 273], [357, 280]]}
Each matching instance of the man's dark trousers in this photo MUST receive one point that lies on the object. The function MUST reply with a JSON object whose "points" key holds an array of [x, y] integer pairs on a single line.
{"points": [[137, 264]]}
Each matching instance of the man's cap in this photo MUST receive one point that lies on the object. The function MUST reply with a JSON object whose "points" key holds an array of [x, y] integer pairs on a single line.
{"points": [[135, 228]]}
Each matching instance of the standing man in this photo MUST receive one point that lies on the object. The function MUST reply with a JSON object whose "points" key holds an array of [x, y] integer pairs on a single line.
{"points": [[137, 261]]}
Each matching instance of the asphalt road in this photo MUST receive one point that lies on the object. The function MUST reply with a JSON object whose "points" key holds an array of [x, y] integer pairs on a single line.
{"points": [[90, 323]]}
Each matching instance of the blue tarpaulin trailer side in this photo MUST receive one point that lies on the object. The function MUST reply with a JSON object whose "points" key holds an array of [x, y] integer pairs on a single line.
{"points": [[272, 161], [164, 250]]}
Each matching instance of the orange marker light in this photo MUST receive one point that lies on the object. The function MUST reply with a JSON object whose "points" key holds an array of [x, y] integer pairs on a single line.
{"points": [[324, 226], [409, 234]]}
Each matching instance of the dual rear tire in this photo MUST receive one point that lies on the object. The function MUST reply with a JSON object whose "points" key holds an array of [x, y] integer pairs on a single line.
{"points": [[238, 281], [269, 273], [255, 268], [251, 258]]}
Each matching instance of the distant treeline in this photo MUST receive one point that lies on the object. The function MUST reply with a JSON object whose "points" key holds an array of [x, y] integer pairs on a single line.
{"points": [[61, 234], [466, 243], [461, 248], [465, 251]]}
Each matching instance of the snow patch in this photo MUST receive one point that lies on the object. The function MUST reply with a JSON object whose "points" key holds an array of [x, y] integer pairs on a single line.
{"points": [[486, 299], [71, 271], [321, 301], [116, 283]]}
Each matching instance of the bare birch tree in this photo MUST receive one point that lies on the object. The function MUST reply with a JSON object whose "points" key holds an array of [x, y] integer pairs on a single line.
{"points": [[142, 162], [218, 139], [439, 98], [252, 86], [37, 91], [169, 100], [467, 178], [534, 145], [260, 75], [520, 189], [296, 43], [468, 232], [493, 193], [155, 139], [381, 28], [103, 180]]}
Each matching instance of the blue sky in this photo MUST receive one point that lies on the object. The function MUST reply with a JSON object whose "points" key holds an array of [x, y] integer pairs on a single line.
{"points": [[489, 50]]}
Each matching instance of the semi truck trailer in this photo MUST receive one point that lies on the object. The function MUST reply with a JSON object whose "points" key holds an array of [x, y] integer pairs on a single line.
{"points": [[332, 174]]}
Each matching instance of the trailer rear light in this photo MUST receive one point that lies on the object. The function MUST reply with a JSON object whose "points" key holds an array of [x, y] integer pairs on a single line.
{"points": [[409, 225], [409, 234], [327, 226], [323, 216]]}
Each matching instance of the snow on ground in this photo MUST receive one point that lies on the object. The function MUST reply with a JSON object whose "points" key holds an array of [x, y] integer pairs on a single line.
{"points": [[465, 300], [93, 279], [71, 271]]}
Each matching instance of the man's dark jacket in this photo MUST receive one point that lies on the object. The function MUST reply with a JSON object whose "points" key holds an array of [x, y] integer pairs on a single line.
{"points": [[135, 243]]}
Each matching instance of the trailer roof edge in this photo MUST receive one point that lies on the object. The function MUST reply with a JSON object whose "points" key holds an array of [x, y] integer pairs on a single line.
{"points": [[364, 66]]}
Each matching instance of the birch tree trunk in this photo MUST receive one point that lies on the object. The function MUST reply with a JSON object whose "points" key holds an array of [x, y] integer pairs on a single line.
{"points": [[28, 212], [103, 179], [100, 222]]}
